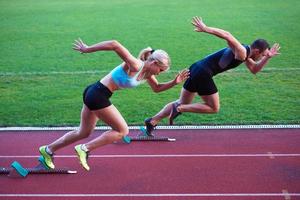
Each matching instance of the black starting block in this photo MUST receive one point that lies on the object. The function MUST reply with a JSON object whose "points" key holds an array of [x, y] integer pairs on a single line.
{"points": [[17, 170], [143, 136]]}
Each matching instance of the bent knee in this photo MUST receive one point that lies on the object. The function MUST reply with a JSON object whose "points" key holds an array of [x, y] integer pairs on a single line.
{"points": [[122, 132], [84, 133], [215, 109]]}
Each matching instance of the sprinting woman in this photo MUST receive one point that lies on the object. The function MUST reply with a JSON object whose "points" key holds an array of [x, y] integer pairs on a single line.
{"points": [[96, 104]]}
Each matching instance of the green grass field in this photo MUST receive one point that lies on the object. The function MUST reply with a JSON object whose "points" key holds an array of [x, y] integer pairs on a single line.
{"points": [[42, 78]]}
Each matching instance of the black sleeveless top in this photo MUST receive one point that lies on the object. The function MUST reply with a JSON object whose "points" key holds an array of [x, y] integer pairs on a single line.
{"points": [[218, 62]]}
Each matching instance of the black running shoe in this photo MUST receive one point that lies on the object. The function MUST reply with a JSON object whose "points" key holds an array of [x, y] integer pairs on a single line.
{"points": [[174, 113], [149, 127]]}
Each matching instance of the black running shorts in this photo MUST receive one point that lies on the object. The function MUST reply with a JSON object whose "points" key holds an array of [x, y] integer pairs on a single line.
{"points": [[200, 81], [96, 96]]}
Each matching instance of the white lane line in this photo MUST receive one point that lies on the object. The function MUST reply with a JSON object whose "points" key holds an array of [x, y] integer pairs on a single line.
{"points": [[266, 126], [287, 196], [156, 195], [161, 155]]}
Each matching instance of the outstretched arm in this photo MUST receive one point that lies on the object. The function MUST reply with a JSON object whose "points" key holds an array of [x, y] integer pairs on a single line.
{"points": [[159, 87], [111, 45], [238, 49], [255, 67]]}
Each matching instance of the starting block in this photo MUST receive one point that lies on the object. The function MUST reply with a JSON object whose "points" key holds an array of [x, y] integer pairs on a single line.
{"points": [[17, 170], [143, 136]]}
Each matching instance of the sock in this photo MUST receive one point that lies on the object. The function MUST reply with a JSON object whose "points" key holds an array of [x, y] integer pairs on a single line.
{"points": [[84, 148], [48, 151]]}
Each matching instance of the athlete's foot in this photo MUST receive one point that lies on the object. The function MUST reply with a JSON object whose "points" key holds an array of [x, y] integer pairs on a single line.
{"points": [[47, 157], [149, 127], [82, 156], [174, 113]]}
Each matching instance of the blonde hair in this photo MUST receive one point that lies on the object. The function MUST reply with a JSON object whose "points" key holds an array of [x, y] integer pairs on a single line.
{"points": [[159, 55]]}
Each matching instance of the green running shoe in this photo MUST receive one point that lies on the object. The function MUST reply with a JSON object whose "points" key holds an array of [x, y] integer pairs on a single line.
{"points": [[83, 156], [47, 157]]}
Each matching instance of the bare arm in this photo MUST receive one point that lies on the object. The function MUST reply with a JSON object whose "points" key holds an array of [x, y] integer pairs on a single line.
{"points": [[159, 87], [111, 45], [238, 49], [255, 67]]}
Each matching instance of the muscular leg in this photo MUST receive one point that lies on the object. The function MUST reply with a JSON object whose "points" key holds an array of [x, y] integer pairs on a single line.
{"points": [[112, 117], [186, 97], [211, 105], [87, 124]]}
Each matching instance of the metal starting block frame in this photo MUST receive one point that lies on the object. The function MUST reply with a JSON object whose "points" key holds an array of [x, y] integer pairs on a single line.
{"points": [[17, 170], [143, 136]]}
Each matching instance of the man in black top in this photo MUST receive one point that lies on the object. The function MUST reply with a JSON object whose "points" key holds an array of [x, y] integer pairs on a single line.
{"points": [[201, 82]]}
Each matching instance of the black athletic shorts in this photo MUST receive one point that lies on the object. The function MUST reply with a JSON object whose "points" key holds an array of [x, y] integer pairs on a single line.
{"points": [[200, 81], [96, 96]]}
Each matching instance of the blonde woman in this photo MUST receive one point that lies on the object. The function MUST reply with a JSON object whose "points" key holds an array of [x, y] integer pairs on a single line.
{"points": [[96, 104]]}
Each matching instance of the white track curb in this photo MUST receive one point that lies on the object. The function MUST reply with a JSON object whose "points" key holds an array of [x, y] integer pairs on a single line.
{"points": [[293, 126]]}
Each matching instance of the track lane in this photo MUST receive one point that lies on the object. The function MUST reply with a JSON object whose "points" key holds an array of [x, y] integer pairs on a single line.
{"points": [[180, 175]]}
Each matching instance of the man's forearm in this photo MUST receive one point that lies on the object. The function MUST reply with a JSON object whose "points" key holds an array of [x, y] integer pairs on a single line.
{"points": [[261, 64]]}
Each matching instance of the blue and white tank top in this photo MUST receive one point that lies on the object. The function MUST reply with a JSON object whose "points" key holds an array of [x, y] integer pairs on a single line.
{"points": [[123, 80]]}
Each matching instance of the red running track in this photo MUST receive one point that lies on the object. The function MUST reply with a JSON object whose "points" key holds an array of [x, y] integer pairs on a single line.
{"points": [[246, 164]]}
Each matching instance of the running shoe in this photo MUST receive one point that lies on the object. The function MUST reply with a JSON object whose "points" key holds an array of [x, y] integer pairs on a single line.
{"points": [[82, 156], [149, 127], [174, 113], [48, 158]]}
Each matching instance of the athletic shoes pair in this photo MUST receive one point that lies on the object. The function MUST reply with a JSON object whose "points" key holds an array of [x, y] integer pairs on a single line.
{"points": [[174, 113], [81, 154]]}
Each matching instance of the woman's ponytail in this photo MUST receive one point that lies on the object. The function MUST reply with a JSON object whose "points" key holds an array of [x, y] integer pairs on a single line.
{"points": [[145, 53]]}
